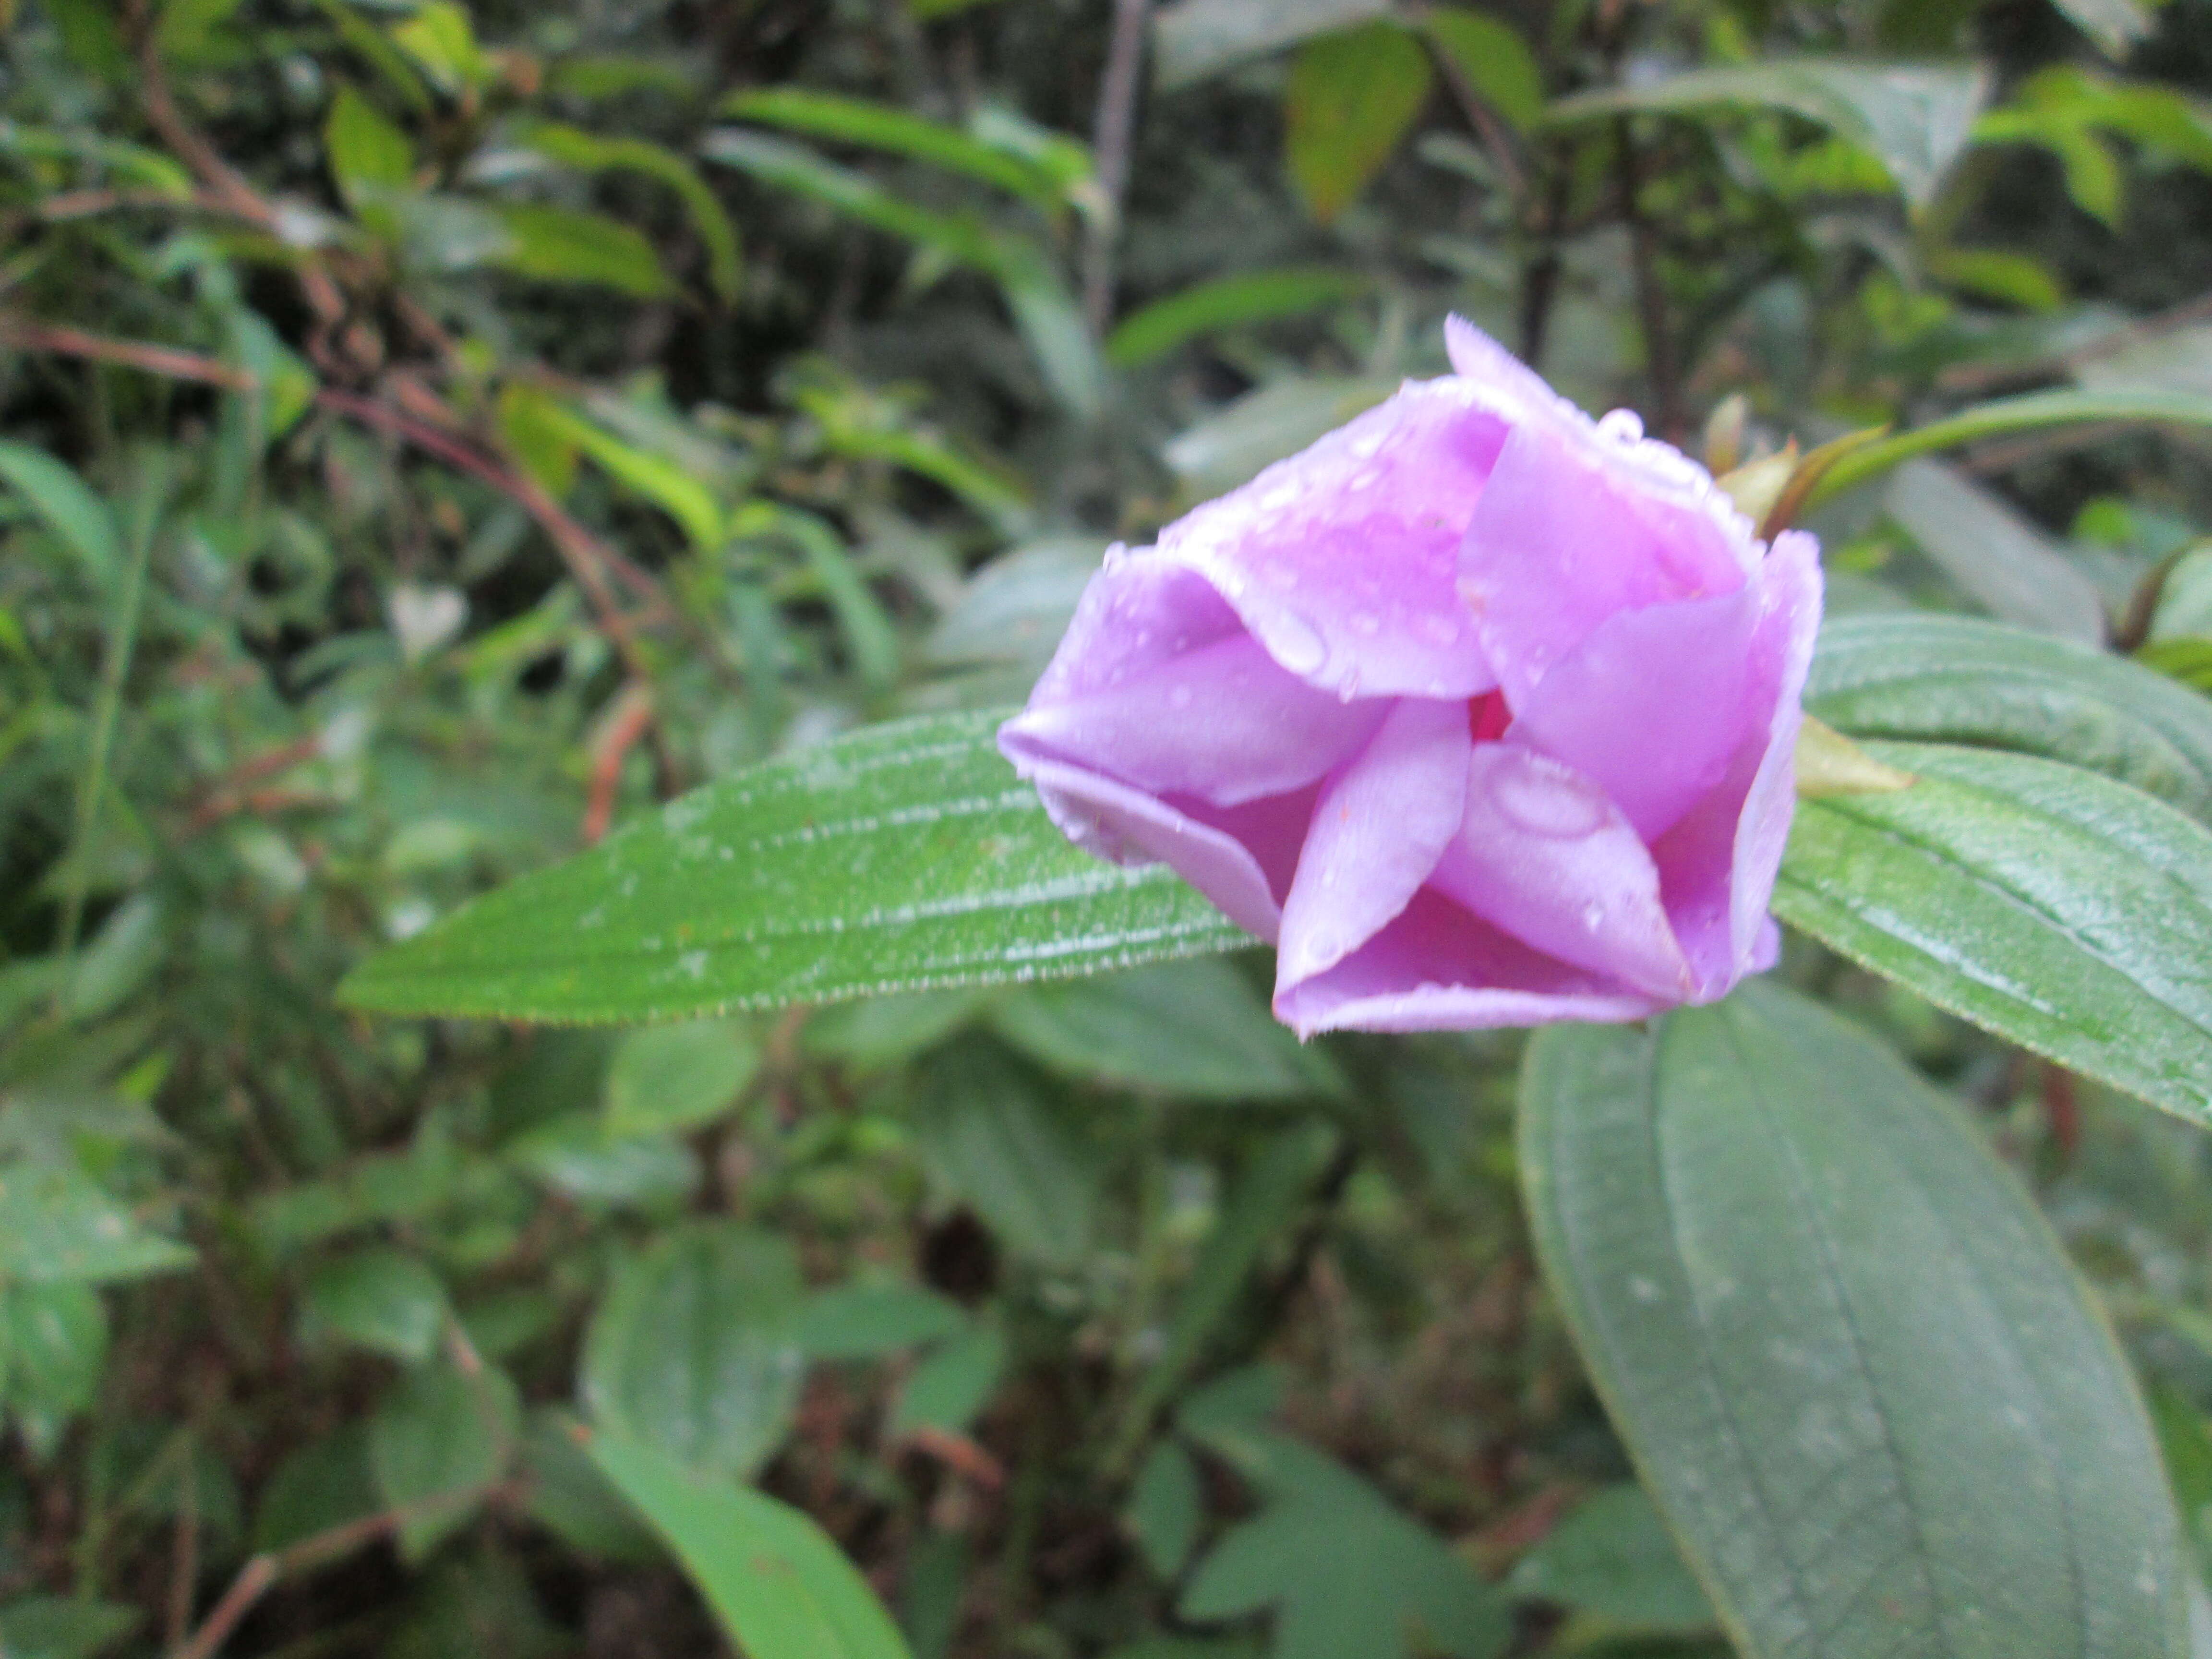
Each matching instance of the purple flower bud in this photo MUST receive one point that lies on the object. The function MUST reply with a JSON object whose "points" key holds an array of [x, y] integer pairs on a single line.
{"points": [[1480, 711]]}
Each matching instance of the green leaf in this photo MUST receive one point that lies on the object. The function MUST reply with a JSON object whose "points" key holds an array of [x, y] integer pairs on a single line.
{"points": [[2065, 912], [1996, 556], [1351, 97], [949, 1389], [1046, 313], [591, 152], [868, 1322], [1613, 1558], [1956, 680], [1194, 1029], [53, 1347], [991, 1137], [2032, 412], [568, 1494], [659, 478], [696, 1349], [2114, 25], [79, 518], [561, 245], [882, 126], [575, 1155], [58, 1227], [1167, 1506], [899, 858], [1343, 1569], [678, 1077], [324, 1484], [1913, 118], [437, 1443], [1855, 1368], [1495, 61], [780, 1587], [62, 1627], [1255, 296], [442, 41], [383, 1299], [1194, 38], [367, 153]]}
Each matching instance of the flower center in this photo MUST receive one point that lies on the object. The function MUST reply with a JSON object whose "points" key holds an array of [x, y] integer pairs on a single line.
{"points": [[1487, 716]]}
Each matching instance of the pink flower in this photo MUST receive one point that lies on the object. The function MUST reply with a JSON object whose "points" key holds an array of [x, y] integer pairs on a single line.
{"points": [[1479, 711]]}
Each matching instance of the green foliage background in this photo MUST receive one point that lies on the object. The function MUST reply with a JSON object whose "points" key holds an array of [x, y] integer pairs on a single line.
{"points": [[431, 436]]}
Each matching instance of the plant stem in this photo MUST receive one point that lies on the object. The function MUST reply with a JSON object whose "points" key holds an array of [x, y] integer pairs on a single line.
{"points": [[1111, 135]]}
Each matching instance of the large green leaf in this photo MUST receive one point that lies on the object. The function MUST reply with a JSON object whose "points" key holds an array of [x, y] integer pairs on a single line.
{"points": [[593, 152], [1913, 118], [1955, 680], [2068, 913], [781, 1589], [899, 857], [1194, 38], [1853, 1364]]}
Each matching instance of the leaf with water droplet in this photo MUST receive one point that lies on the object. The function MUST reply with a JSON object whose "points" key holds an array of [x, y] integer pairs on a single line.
{"points": [[901, 857]]}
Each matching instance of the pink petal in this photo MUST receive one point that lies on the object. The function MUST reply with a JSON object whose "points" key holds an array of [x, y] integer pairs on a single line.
{"points": [[1221, 722], [1342, 559], [1546, 857], [1135, 615], [1378, 828], [1569, 530], [1717, 865], [1438, 969], [1652, 704], [1128, 826]]}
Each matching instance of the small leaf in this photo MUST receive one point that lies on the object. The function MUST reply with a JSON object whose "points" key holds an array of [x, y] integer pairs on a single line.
{"points": [[1495, 61], [868, 1322], [678, 1077], [68, 508], [590, 152], [2065, 912], [1855, 1368], [1195, 1030], [2114, 25], [1167, 1506], [950, 1388], [382, 1298], [1829, 763], [1226, 302], [324, 1484], [901, 857], [1351, 97], [560, 245], [694, 1350], [439, 1440], [367, 153], [779, 1587], [1345, 1571], [885, 127], [1615, 1557], [992, 1138], [1914, 119], [53, 1347], [56, 1227], [1194, 38]]}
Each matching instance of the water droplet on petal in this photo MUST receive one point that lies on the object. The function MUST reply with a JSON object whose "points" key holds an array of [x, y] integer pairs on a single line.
{"points": [[1550, 804], [1623, 426], [1296, 643], [1593, 916]]}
